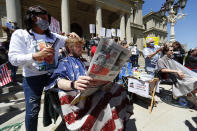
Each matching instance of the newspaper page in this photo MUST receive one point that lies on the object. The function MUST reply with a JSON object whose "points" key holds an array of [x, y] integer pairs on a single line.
{"points": [[105, 66], [108, 60]]}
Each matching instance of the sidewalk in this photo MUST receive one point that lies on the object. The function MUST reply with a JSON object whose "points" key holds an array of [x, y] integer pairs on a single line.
{"points": [[164, 117]]}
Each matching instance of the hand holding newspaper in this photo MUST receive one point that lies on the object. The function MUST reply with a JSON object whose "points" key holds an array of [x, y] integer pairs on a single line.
{"points": [[105, 66]]}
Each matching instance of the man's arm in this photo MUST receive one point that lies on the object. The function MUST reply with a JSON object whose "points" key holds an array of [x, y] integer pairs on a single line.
{"points": [[180, 74], [82, 83], [154, 53]]}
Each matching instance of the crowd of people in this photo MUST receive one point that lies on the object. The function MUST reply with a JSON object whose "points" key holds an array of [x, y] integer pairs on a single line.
{"points": [[9, 28], [37, 50]]}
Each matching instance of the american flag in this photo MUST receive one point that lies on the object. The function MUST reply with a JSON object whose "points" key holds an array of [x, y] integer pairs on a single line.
{"points": [[5, 77], [102, 111]]}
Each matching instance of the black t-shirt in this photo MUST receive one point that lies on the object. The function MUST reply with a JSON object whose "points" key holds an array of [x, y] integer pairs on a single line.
{"points": [[191, 62], [179, 54]]}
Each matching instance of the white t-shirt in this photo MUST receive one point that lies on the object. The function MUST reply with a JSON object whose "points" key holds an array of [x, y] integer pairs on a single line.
{"points": [[134, 50], [23, 45]]}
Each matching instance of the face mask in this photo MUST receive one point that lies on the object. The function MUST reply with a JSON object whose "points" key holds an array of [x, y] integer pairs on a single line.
{"points": [[152, 44], [42, 24]]}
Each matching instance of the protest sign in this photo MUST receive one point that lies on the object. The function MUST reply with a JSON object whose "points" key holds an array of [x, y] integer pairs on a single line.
{"points": [[54, 26], [92, 28], [156, 40], [102, 31], [118, 32], [108, 33], [113, 32]]}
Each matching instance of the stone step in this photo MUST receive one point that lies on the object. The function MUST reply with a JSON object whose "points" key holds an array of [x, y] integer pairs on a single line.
{"points": [[12, 105], [11, 87], [8, 97], [15, 105]]}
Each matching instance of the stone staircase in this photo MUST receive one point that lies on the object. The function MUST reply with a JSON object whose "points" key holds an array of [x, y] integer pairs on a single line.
{"points": [[12, 96]]}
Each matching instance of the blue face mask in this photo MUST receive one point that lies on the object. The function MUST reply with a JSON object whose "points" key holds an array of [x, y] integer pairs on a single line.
{"points": [[152, 44], [42, 24]]}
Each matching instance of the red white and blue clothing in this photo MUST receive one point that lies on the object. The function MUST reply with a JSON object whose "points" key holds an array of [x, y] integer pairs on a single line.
{"points": [[103, 110]]}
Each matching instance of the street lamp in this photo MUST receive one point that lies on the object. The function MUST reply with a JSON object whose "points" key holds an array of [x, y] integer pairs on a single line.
{"points": [[172, 7]]}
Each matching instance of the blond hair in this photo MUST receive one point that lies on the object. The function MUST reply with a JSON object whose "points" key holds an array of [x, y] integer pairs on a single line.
{"points": [[71, 42]]}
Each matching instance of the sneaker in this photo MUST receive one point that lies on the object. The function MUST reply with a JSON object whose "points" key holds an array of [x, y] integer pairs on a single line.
{"points": [[193, 100], [183, 102]]}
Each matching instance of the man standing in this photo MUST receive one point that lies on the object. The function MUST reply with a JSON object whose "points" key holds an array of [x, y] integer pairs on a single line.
{"points": [[151, 55]]}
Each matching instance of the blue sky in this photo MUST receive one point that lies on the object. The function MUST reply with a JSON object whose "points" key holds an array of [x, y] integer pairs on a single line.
{"points": [[186, 28]]}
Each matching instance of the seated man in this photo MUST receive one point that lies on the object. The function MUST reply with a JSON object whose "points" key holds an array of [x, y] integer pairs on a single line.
{"points": [[103, 110], [186, 80], [151, 56]]}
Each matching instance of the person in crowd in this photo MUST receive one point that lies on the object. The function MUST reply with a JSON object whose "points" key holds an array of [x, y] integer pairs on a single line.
{"points": [[134, 55], [5, 44], [124, 43], [105, 109], [93, 50], [94, 41], [186, 80], [179, 52], [36, 50], [87, 46], [116, 39], [9, 29], [151, 54], [191, 60]]}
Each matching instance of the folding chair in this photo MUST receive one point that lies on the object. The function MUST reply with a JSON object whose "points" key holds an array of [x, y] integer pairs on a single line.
{"points": [[152, 91]]}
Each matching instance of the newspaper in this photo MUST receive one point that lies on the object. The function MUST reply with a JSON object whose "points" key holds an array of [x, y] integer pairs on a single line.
{"points": [[105, 66]]}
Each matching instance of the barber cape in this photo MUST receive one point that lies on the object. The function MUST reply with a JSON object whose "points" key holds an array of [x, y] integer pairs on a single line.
{"points": [[183, 86], [107, 109]]}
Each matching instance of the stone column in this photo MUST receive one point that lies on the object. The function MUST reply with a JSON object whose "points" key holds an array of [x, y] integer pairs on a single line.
{"points": [[122, 26], [98, 19], [128, 28], [172, 33], [65, 14], [136, 16], [131, 17], [13, 9], [140, 17]]}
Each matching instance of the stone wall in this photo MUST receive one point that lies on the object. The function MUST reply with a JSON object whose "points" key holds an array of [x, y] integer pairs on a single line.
{"points": [[2, 16]]}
